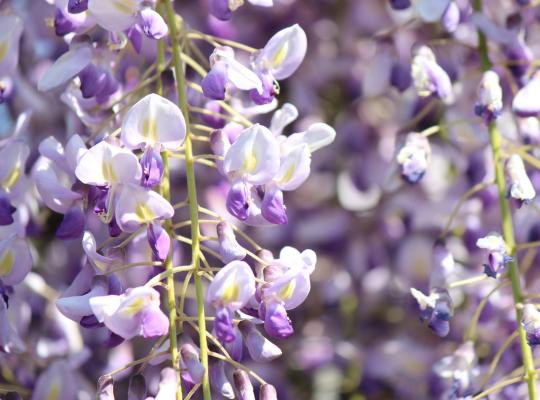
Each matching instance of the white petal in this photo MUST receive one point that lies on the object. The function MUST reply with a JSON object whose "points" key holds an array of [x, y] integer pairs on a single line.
{"points": [[283, 117], [114, 15], [65, 68], [153, 120], [284, 52], [431, 10], [10, 34], [242, 77], [294, 168], [233, 286]]}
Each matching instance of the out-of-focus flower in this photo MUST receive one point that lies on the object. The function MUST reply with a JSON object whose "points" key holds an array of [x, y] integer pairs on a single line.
{"points": [[429, 77], [489, 105], [436, 309], [12, 28], [526, 102], [460, 369], [414, 157], [531, 324]]}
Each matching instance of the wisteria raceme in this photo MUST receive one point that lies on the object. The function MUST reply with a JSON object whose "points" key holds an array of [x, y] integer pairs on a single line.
{"points": [[269, 199]]}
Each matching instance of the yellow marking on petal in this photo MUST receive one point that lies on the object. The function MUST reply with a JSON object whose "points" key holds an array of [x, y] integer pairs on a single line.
{"points": [[230, 293], [287, 292], [144, 213], [4, 47], [288, 174], [125, 6], [12, 178], [150, 129], [108, 172], [134, 307], [6, 263], [250, 163], [280, 55], [54, 393]]}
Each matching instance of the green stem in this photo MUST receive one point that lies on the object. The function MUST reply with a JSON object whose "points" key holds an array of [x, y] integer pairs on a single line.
{"points": [[165, 190], [495, 139], [192, 195]]}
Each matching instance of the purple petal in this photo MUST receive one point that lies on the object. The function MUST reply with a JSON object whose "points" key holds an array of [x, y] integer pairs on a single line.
{"points": [[237, 200], [154, 322], [272, 207], [77, 6], [6, 211], [220, 9], [153, 24], [152, 168], [159, 241], [93, 80], [276, 322], [223, 326], [214, 83], [72, 226]]}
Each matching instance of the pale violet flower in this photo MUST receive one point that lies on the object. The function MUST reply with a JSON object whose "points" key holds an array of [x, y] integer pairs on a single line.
{"points": [[10, 34], [526, 102], [134, 313], [283, 53], [230, 290], [531, 324], [497, 251], [99, 261], [137, 206], [66, 67], [414, 157], [520, 186], [490, 103], [436, 309], [429, 78], [226, 71]]}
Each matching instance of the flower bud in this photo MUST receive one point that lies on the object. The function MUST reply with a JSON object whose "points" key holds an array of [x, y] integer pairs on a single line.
{"points": [[219, 381], [436, 309], [428, 76], [229, 248], [526, 103], [521, 187], [414, 157], [531, 324], [268, 392], [260, 348], [497, 253], [153, 24], [490, 104], [152, 168], [190, 357], [243, 385], [159, 241]]}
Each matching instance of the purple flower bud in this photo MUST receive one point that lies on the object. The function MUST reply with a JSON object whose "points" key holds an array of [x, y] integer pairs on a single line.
{"points": [[400, 76], [77, 6], [6, 211], [213, 121], [272, 207], [237, 200], [490, 103], [137, 387], [526, 103], [531, 324], [414, 157], [62, 25], [229, 249], [135, 36], [93, 80], [451, 18], [243, 385], [190, 358], [260, 348], [268, 92], [436, 309], [72, 226], [159, 241], [214, 83], [153, 24], [223, 325], [152, 168], [109, 88], [400, 4], [276, 321], [497, 253], [219, 381], [220, 9], [268, 392]]}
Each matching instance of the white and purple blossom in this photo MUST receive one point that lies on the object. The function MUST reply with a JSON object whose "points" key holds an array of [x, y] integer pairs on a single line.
{"points": [[497, 253]]}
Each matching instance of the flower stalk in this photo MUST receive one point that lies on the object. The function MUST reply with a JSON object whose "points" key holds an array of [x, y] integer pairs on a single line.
{"points": [[192, 198], [495, 140]]}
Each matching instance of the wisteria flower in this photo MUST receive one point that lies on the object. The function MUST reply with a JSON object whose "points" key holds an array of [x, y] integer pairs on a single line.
{"points": [[520, 186], [436, 309], [12, 28], [497, 253], [429, 77], [414, 157], [134, 313], [230, 290], [489, 105], [526, 103], [531, 324]]}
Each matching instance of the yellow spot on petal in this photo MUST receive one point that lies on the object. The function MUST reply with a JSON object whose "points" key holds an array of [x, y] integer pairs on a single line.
{"points": [[288, 174], [12, 178], [6, 263], [231, 292], [108, 172], [150, 129], [4, 46], [144, 213], [136, 305], [250, 163], [125, 6], [280, 55], [54, 393], [287, 292]]}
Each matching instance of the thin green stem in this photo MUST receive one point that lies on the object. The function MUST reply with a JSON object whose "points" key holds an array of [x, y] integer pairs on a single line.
{"points": [[495, 140], [192, 196]]}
